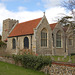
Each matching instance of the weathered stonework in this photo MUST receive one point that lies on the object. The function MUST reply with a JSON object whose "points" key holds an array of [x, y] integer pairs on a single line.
{"points": [[70, 35], [20, 44], [60, 69], [59, 50], [44, 50], [7, 26], [35, 39]]}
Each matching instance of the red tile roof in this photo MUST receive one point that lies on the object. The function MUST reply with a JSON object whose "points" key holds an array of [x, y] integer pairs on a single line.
{"points": [[25, 28], [53, 25]]}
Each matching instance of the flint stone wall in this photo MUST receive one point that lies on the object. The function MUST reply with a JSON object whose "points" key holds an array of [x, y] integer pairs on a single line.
{"points": [[58, 68]]}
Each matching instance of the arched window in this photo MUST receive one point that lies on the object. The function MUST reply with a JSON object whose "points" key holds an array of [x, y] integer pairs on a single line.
{"points": [[58, 39], [14, 44], [44, 37], [26, 43]]}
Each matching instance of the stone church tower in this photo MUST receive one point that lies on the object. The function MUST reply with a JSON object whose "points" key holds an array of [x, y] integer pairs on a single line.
{"points": [[8, 24]]}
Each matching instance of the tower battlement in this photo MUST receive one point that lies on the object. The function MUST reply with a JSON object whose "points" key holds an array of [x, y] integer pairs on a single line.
{"points": [[7, 26]]}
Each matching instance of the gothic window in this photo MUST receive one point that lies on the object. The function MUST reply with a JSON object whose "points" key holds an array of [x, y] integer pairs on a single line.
{"points": [[14, 44], [26, 43], [58, 39], [44, 38]]}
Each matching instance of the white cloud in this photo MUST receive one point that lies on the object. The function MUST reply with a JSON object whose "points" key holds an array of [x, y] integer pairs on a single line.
{"points": [[51, 3], [22, 8], [22, 16], [2, 6], [53, 14]]}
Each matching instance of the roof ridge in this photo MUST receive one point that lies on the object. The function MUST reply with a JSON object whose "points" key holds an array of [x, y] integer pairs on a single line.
{"points": [[30, 20], [25, 28]]}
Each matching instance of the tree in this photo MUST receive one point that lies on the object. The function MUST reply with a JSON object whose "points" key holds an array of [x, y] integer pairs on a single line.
{"points": [[65, 20], [70, 5]]}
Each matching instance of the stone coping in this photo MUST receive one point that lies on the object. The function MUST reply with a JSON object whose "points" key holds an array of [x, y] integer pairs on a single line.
{"points": [[64, 64]]}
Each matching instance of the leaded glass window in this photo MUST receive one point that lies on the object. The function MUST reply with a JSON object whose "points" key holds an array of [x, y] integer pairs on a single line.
{"points": [[58, 39], [44, 38], [26, 43]]}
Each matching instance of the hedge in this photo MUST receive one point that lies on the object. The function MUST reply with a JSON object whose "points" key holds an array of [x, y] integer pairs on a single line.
{"points": [[2, 43], [32, 61]]}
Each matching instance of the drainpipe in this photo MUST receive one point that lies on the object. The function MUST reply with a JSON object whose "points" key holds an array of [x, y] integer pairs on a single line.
{"points": [[17, 45], [31, 44]]}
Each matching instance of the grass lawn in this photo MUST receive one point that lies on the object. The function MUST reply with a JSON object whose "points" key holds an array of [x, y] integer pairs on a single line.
{"points": [[66, 59], [10, 69]]}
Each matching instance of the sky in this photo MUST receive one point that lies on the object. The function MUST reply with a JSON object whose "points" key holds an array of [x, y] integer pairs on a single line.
{"points": [[24, 10]]}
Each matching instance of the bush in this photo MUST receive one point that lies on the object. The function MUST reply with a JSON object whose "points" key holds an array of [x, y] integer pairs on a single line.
{"points": [[17, 58], [32, 61], [2, 44]]}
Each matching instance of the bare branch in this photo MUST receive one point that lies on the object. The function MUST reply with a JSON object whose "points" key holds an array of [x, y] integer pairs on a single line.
{"points": [[70, 4]]}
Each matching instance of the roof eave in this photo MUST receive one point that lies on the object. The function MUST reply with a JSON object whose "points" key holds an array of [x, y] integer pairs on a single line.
{"points": [[20, 35]]}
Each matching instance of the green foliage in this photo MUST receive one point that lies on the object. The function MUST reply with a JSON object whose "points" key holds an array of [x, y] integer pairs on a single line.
{"points": [[17, 58], [73, 58], [65, 20], [2, 44], [32, 61], [64, 59]]}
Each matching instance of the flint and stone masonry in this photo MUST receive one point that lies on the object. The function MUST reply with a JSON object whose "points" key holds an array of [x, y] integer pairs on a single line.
{"points": [[32, 30]]}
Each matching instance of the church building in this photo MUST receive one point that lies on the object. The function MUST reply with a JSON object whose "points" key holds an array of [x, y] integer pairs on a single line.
{"points": [[39, 36]]}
